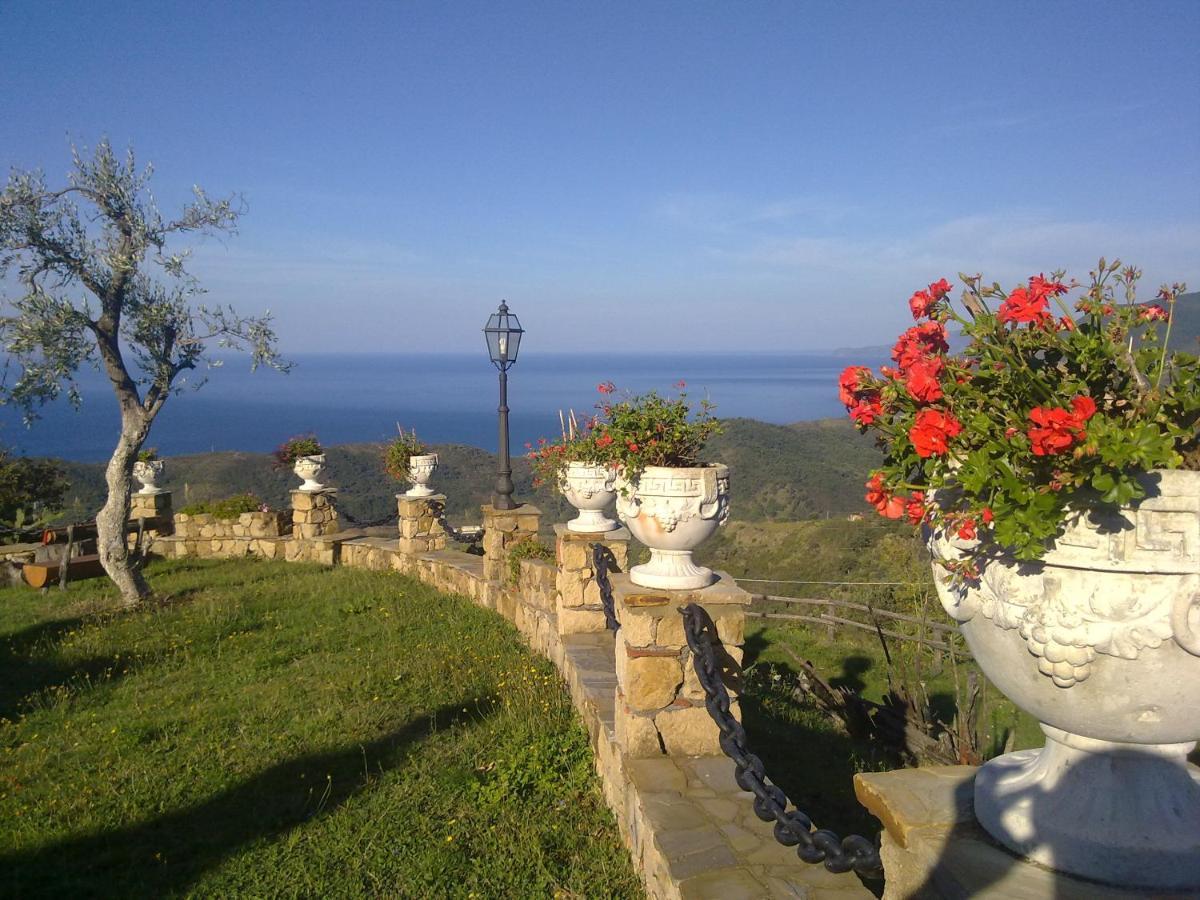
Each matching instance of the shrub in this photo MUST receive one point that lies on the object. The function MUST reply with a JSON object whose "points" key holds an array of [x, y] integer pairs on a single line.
{"points": [[530, 548]]}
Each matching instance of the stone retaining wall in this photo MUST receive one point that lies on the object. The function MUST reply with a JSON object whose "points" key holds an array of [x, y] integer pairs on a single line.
{"points": [[275, 523]]}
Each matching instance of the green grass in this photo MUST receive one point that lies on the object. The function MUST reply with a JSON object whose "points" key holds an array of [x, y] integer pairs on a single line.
{"points": [[287, 730]]}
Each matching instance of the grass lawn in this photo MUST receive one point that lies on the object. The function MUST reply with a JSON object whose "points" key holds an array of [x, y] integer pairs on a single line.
{"points": [[279, 729]]}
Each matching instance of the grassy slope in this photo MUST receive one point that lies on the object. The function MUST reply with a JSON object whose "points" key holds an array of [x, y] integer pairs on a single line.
{"points": [[285, 730]]}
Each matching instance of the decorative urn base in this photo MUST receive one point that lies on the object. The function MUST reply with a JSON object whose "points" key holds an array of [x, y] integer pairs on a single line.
{"points": [[420, 470], [591, 490], [309, 469], [1100, 641], [672, 512]]}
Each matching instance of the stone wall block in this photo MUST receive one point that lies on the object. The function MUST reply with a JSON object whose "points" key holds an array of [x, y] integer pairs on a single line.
{"points": [[648, 682], [635, 734], [689, 731]]}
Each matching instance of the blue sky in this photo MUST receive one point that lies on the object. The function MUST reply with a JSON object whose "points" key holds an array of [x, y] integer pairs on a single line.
{"points": [[654, 176]]}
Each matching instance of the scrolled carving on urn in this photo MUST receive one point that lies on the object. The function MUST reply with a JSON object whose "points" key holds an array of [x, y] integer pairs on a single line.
{"points": [[1185, 622]]}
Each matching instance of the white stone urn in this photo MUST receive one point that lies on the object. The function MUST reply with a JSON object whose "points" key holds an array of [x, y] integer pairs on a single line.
{"points": [[148, 472], [591, 489], [309, 469], [673, 511], [1100, 641], [420, 470]]}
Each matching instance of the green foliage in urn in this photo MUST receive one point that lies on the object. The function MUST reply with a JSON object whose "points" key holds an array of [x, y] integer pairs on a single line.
{"points": [[148, 454], [1043, 412], [577, 443], [651, 430], [293, 448], [530, 548], [402, 448]]}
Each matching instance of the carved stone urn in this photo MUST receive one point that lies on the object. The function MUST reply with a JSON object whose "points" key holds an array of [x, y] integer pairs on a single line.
{"points": [[309, 469], [1100, 640], [148, 472], [420, 470], [591, 489], [673, 511]]}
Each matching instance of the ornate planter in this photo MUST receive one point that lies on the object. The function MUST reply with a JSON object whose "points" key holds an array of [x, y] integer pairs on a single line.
{"points": [[591, 489], [148, 474], [1101, 642], [672, 512], [420, 470], [309, 469]]}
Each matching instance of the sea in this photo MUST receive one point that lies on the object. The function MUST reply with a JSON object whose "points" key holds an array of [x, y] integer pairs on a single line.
{"points": [[447, 398]]}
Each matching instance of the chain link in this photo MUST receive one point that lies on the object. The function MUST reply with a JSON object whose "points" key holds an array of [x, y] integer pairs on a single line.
{"points": [[453, 533], [792, 827], [600, 561]]}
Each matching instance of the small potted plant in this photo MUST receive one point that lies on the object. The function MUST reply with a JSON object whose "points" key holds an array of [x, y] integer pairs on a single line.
{"points": [[406, 458], [1055, 465], [670, 500], [148, 469], [306, 458], [574, 465]]}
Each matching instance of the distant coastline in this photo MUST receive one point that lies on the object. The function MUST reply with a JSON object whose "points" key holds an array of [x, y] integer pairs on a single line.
{"points": [[448, 398]]}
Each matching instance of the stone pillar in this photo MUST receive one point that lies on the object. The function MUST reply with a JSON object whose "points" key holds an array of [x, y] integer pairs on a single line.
{"points": [[501, 529], [314, 513], [578, 606], [153, 506], [659, 702], [421, 528]]}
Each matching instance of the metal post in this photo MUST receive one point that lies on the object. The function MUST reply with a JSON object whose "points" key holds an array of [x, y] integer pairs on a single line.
{"points": [[502, 499]]}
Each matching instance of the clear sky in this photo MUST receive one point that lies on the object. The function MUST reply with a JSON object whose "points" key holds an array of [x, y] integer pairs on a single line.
{"points": [[651, 176]]}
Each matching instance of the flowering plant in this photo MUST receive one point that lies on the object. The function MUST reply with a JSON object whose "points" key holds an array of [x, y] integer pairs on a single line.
{"points": [[402, 448], [1042, 412], [549, 459], [292, 449], [651, 430]]}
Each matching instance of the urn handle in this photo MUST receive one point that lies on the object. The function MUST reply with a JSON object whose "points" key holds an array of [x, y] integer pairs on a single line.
{"points": [[1186, 636]]}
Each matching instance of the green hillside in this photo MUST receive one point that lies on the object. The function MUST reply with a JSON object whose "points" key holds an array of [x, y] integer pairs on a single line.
{"points": [[780, 472]]}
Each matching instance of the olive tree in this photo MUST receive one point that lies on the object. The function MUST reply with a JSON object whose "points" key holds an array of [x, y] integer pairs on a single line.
{"points": [[97, 285]]}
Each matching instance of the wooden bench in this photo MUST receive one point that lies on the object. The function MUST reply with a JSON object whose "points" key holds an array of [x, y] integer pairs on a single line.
{"points": [[43, 574]]}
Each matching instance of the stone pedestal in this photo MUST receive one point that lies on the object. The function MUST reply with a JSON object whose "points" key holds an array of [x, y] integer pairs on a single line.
{"points": [[578, 606], [933, 848], [659, 701], [421, 529], [153, 506], [501, 529], [314, 513]]}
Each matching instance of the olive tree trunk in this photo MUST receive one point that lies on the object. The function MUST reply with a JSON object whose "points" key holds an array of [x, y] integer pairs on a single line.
{"points": [[111, 537]]}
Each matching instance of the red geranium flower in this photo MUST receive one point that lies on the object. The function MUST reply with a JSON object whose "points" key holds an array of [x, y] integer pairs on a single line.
{"points": [[1152, 313], [920, 303], [915, 507], [850, 383], [606, 387], [867, 408], [1023, 305], [919, 342], [1055, 429], [931, 432], [939, 289], [922, 379], [966, 530]]}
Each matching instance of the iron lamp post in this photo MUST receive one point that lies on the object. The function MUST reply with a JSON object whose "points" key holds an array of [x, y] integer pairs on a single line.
{"points": [[503, 333]]}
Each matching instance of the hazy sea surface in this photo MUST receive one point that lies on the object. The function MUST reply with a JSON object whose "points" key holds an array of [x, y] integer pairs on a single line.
{"points": [[448, 398]]}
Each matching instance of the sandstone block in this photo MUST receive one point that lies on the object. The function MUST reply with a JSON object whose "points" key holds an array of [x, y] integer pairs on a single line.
{"points": [[730, 661], [635, 734], [688, 731], [648, 682], [580, 621]]}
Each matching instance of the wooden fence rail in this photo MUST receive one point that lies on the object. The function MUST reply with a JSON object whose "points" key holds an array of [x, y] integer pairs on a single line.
{"points": [[936, 635]]}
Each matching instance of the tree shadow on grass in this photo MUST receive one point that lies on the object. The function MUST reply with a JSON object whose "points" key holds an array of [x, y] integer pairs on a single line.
{"points": [[171, 852], [25, 672]]}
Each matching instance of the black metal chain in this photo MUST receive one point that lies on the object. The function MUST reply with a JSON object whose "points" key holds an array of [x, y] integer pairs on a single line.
{"points": [[376, 523], [792, 828], [453, 533], [600, 557]]}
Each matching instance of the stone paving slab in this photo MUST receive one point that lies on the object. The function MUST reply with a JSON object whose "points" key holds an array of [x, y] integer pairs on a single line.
{"points": [[933, 849]]}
